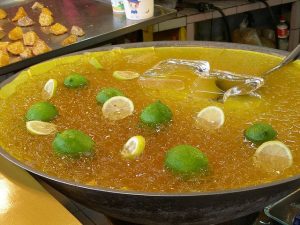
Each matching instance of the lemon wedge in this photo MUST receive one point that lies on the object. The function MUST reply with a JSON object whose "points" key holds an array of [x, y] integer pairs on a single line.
{"points": [[210, 117], [273, 156], [95, 63], [133, 147], [49, 89], [125, 75], [41, 128], [117, 108]]}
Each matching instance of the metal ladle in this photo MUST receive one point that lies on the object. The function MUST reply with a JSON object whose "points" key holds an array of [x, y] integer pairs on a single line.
{"points": [[252, 84]]}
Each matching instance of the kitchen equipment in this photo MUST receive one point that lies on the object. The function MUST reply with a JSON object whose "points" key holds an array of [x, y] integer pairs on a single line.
{"points": [[252, 84], [173, 208], [94, 17], [285, 210], [232, 84]]}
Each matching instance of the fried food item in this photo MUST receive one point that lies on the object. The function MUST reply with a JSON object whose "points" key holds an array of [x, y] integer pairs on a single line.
{"points": [[58, 29], [4, 58], [15, 48], [45, 20], [2, 34], [15, 34], [78, 31], [3, 46], [37, 5], [15, 59], [47, 11], [25, 21], [29, 38], [27, 53], [40, 47], [69, 40], [20, 13], [3, 14]]}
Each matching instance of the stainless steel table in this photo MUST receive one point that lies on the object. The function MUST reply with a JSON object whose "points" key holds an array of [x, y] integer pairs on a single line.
{"points": [[96, 18]]}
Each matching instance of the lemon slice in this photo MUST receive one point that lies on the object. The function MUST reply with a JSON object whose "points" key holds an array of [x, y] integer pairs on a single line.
{"points": [[125, 75], [273, 156], [117, 108], [210, 117], [49, 89], [95, 63], [133, 147], [40, 127]]}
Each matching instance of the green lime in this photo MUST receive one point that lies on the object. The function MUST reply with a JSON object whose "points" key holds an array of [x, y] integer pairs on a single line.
{"points": [[41, 111], [73, 143], [259, 133], [186, 160], [75, 80], [107, 93], [156, 113]]}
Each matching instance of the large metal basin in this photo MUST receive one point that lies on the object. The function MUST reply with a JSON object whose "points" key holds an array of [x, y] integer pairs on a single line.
{"points": [[181, 208]]}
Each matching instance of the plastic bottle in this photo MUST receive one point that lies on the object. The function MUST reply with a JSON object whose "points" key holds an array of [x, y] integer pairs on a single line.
{"points": [[283, 34]]}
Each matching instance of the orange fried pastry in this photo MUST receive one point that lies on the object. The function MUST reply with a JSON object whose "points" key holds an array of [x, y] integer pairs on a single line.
{"points": [[15, 59], [78, 31], [25, 21], [2, 34], [58, 29], [20, 13], [27, 53], [37, 5], [15, 34], [47, 11], [3, 46], [69, 40], [4, 58], [3, 14], [40, 47], [45, 20], [15, 48], [29, 38]]}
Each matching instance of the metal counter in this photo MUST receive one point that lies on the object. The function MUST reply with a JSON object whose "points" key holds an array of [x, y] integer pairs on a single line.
{"points": [[96, 18]]}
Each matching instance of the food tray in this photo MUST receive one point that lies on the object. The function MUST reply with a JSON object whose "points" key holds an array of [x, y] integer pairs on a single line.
{"points": [[285, 210], [96, 18]]}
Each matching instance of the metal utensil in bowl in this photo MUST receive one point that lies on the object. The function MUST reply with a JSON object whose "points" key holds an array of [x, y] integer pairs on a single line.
{"points": [[230, 83], [172, 208], [252, 84]]}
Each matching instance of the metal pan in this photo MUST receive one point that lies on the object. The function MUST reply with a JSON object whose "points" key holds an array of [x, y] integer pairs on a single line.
{"points": [[173, 208], [96, 18]]}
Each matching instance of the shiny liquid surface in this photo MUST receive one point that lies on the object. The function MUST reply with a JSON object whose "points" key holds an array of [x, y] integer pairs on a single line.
{"points": [[230, 157]]}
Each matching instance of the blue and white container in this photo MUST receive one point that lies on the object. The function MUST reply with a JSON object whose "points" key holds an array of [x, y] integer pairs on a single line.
{"points": [[139, 9]]}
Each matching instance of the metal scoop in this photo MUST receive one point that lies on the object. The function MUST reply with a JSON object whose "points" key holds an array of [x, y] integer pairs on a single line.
{"points": [[160, 76], [252, 84]]}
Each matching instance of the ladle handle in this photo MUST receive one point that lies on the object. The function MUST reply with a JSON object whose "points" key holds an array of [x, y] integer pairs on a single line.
{"points": [[292, 56]]}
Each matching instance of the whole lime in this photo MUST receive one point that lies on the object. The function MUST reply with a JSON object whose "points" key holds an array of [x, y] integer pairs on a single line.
{"points": [[41, 111], [155, 114], [73, 143], [259, 133], [75, 80], [107, 93], [186, 160]]}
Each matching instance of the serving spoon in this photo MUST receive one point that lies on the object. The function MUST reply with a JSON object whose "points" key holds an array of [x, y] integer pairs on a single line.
{"points": [[252, 84]]}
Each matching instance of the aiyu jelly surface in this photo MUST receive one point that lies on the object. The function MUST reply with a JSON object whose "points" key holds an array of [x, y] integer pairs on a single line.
{"points": [[230, 156]]}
